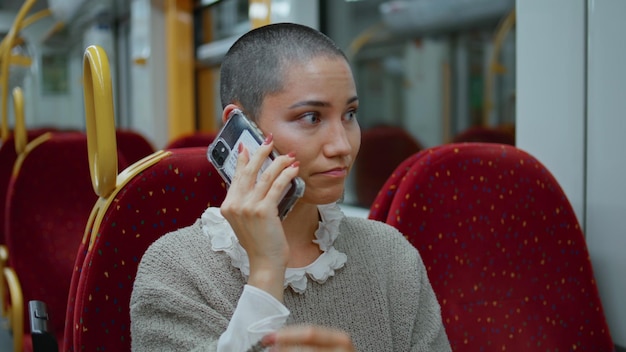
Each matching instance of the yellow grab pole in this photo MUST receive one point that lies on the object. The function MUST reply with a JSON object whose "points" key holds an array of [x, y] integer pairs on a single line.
{"points": [[180, 67]]}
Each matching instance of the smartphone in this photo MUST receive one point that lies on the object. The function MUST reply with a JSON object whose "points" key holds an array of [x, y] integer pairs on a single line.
{"points": [[223, 152]]}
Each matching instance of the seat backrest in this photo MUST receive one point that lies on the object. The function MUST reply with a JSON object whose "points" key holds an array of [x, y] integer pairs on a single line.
{"points": [[197, 139], [162, 194], [132, 145], [379, 210], [383, 148], [8, 155], [380, 206], [48, 204], [503, 249]]}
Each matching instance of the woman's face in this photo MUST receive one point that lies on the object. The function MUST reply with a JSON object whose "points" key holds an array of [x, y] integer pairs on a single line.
{"points": [[315, 117]]}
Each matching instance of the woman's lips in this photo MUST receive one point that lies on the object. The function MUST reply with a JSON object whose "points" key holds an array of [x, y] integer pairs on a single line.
{"points": [[336, 172]]}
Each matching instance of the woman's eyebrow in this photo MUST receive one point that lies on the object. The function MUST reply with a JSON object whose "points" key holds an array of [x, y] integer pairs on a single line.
{"points": [[315, 103], [318, 103]]}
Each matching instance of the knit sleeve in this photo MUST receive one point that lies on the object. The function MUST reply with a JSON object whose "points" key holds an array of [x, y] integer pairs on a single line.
{"points": [[167, 309]]}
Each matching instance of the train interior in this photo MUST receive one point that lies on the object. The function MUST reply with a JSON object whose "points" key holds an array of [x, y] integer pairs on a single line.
{"points": [[520, 100]]}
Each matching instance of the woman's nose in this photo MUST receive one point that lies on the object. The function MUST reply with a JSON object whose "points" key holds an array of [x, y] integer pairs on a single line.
{"points": [[338, 141]]}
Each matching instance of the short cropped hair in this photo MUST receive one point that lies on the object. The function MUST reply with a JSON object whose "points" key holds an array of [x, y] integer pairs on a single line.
{"points": [[255, 65]]}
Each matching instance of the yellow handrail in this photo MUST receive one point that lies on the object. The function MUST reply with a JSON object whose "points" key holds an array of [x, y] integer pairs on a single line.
{"points": [[25, 22], [16, 315], [4, 300], [362, 39], [101, 139], [495, 67], [5, 51], [100, 120], [20, 126], [35, 17]]}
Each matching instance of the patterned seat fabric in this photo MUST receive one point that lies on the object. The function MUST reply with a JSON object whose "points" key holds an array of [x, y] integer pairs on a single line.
{"points": [[133, 147], [383, 148], [379, 210], [48, 205], [67, 344], [162, 197], [503, 250]]}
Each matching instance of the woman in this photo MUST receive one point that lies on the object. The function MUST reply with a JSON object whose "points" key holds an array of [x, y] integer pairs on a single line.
{"points": [[240, 276]]}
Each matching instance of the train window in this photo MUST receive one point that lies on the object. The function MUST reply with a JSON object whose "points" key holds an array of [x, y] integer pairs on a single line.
{"points": [[441, 72]]}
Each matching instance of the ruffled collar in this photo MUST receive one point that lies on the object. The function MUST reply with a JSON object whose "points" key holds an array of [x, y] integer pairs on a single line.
{"points": [[223, 238]]}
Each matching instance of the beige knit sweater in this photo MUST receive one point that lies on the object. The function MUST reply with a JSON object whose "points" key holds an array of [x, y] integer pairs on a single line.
{"points": [[185, 293]]}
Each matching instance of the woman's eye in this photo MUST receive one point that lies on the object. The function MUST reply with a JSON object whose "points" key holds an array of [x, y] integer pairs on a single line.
{"points": [[350, 115], [311, 118]]}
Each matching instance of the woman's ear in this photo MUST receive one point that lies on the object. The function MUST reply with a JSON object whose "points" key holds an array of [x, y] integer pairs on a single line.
{"points": [[227, 110]]}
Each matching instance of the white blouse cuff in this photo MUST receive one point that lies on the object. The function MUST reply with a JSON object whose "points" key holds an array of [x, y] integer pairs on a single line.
{"points": [[257, 314]]}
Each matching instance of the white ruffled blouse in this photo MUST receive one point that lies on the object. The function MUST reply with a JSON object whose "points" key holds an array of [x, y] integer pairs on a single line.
{"points": [[223, 238]]}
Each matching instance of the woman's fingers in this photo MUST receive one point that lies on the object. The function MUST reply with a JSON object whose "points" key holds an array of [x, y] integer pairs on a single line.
{"points": [[256, 173], [258, 184], [249, 164], [309, 337]]}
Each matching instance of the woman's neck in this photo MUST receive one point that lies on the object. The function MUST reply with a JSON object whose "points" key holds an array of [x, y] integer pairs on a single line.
{"points": [[300, 226]]}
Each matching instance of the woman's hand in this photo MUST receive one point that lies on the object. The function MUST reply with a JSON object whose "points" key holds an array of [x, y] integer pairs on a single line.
{"points": [[309, 338], [251, 208]]}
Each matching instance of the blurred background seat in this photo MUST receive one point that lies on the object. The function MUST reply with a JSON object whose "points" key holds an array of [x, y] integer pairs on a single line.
{"points": [[49, 200], [197, 139], [133, 145], [383, 148], [8, 155], [503, 250], [485, 134]]}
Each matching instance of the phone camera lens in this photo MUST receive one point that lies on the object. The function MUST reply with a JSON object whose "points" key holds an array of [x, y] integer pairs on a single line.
{"points": [[219, 153]]}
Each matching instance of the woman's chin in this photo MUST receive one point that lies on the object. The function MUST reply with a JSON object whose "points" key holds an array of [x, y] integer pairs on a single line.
{"points": [[323, 197]]}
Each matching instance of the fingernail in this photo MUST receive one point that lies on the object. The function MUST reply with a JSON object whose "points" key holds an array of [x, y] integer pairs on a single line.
{"points": [[268, 139], [268, 339], [295, 164], [292, 155], [240, 148]]}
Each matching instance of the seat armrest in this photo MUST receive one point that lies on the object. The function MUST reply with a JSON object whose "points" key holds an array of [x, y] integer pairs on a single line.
{"points": [[43, 339], [4, 253], [16, 308], [4, 258]]}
